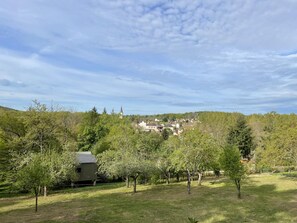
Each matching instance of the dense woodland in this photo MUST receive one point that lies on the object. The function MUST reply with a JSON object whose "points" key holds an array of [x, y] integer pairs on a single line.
{"points": [[37, 146]]}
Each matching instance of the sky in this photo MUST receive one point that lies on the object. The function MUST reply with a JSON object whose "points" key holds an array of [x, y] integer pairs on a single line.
{"points": [[150, 56]]}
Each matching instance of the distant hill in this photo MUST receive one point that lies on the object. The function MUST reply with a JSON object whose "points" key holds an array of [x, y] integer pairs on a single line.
{"points": [[6, 108]]}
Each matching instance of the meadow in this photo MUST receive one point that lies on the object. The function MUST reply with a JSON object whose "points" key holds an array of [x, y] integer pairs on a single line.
{"points": [[265, 198]]}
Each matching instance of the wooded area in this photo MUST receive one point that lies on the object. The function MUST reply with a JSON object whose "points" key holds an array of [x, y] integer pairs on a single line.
{"points": [[37, 146]]}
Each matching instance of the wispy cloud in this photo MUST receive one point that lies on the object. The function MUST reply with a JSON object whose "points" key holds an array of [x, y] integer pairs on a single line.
{"points": [[150, 56]]}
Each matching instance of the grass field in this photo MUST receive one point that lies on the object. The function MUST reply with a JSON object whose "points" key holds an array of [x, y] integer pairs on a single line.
{"points": [[265, 198]]}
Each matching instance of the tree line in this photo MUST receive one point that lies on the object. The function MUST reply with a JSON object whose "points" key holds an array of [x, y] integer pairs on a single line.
{"points": [[39, 144]]}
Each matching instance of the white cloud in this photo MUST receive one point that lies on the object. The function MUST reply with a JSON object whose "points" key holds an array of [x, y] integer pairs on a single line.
{"points": [[204, 54]]}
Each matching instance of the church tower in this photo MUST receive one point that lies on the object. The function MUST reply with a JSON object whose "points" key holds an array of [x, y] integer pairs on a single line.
{"points": [[121, 113]]}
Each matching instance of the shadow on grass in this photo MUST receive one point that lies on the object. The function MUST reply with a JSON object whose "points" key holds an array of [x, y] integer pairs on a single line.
{"points": [[102, 186], [170, 203]]}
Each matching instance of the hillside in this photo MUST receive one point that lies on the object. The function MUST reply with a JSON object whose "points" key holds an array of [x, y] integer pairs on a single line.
{"points": [[6, 108]]}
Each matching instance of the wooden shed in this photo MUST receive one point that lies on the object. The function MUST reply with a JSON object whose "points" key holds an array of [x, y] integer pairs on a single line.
{"points": [[87, 168]]}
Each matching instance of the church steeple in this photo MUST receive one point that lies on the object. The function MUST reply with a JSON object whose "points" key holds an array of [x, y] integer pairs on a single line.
{"points": [[121, 112]]}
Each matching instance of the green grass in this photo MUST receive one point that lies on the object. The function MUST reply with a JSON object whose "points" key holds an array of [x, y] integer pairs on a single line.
{"points": [[265, 198]]}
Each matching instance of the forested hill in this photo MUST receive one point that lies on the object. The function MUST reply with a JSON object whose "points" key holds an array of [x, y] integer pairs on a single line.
{"points": [[5, 108], [40, 129]]}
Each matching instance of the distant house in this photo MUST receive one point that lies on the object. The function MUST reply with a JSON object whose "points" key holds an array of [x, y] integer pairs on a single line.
{"points": [[142, 124], [87, 168], [150, 127], [175, 127], [154, 127]]}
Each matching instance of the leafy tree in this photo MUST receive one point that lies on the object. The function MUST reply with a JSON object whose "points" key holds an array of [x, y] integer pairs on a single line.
{"points": [[87, 139], [194, 155], [163, 156], [42, 129], [89, 118], [230, 161], [12, 132], [129, 154], [61, 166], [240, 136], [217, 124], [166, 133], [91, 136], [125, 163], [34, 175], [3, 161], [279, 148], [148, 142]]}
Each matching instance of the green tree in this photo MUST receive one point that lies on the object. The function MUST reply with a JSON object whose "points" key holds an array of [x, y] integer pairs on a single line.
{"points": [[129, 154], [195, 154], [61, 167], [125, 163], [12, 132], [230, 161], [34, 175], [279, 148], [42, 129], [240, 136], [163, 157], [87, 139], [166, 133]]}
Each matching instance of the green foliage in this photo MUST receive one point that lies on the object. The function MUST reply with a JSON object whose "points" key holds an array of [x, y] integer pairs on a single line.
{"points": [[163, 157], [61, 167], [217, 124], [279, 147], [130, 154], [196, 152], [42, 129], [192, 220], [240, 136], [166, 133], [230, 161], [4, 161], [34, 175], [87, 139]]}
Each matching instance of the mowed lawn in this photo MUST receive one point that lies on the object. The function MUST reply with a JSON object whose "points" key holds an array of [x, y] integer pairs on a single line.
{"points": [[265, 198]]}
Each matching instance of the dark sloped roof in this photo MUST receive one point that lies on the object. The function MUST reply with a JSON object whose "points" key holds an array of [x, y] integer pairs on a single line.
{"points": [[85, 157], [151, 124]]}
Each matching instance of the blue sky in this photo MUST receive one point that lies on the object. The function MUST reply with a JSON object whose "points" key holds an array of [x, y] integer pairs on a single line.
{"points": [[150, 56]]}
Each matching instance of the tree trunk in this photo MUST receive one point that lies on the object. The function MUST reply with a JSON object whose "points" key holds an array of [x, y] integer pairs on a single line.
{"points": [[36, 198], [127, 182], [44, 191], [199, 178], [237, 182], [167, 175], [189, 181], [177, 177], [134, 184]]}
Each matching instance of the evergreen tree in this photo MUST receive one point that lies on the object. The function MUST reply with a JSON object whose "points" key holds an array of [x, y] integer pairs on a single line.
{"points": [[241, 136]]}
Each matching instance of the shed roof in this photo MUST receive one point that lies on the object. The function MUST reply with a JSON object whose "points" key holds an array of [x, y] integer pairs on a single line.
{"points": [[85, 157]]}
